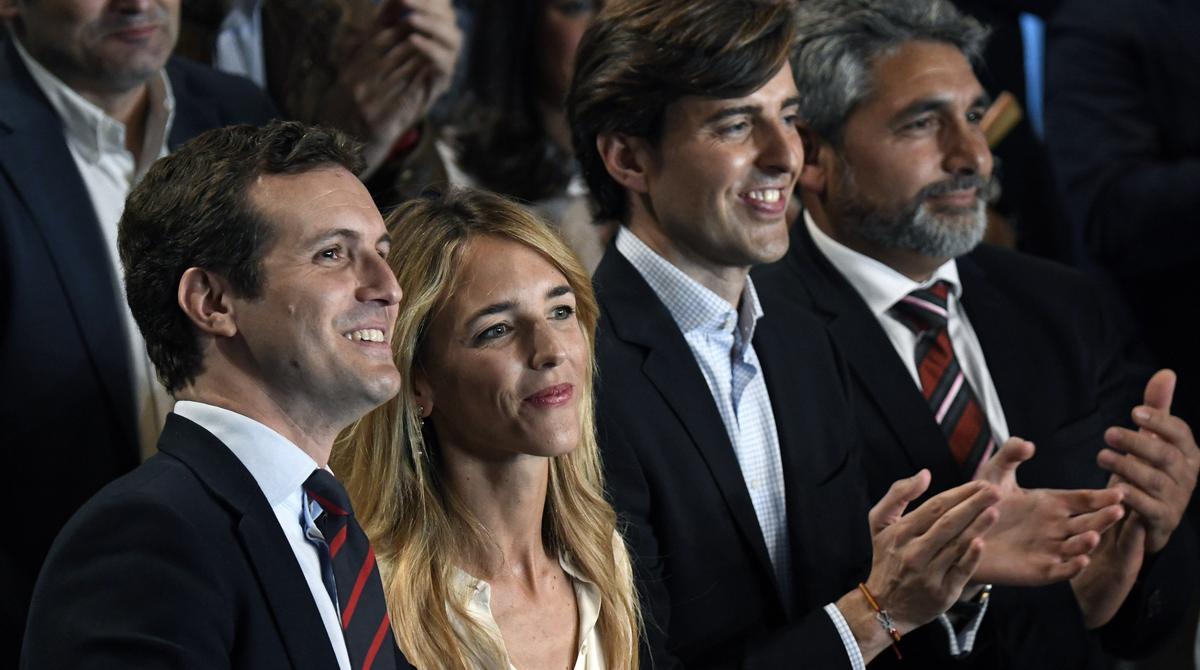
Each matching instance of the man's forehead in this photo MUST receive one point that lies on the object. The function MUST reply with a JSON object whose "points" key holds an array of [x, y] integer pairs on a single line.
{"points": [[309, 202], [921, 69], [779, 91]]}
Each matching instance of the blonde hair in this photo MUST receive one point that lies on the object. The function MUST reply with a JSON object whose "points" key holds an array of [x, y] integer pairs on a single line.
{"points": [[420, 530]]}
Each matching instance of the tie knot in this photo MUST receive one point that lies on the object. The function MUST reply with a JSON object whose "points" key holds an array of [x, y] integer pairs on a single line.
{"points": [[924, 309], [328, 492]]}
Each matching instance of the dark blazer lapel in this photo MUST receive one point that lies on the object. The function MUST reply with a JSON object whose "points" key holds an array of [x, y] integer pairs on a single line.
{"points": [[194, 111], [268, 550], [35, 158], [997, 323], [871, 357], [639, 318]]}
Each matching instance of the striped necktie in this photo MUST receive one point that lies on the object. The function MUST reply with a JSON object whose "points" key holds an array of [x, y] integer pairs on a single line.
{"points": [[360, 601], [943, 383]]}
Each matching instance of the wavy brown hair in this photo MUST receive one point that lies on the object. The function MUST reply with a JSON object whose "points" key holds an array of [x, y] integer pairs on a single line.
{"points": [[392, 468]]}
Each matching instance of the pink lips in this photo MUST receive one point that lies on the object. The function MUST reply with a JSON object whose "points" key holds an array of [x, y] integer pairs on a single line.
{"points": [[552, 396]]}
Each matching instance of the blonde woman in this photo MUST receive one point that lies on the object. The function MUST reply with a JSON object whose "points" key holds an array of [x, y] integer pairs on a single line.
{"points": [[480, 485]]}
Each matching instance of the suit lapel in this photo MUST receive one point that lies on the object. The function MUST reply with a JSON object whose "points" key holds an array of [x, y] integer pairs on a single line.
{"points": [[639, 318], [871, 357], [268, 551], [194, 112], [35, 158], [996, 322]]}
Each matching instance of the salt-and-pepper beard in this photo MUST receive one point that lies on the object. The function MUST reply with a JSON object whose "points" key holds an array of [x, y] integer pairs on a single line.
{"points": [[948, 233]]}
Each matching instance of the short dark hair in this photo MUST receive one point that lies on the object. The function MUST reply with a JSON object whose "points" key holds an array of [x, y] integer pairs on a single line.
{"points": [[192, 209], [838, 42], [639, 56]]}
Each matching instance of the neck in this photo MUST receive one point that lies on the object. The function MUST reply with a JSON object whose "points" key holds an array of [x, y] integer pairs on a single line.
{"points": [[306, 428], [726, 281], [508, 497], [911, 264]]}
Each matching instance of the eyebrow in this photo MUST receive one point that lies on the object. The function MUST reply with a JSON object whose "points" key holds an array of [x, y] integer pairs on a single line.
{"points": [[321, 238], [793, 101], [937, 104], [506, 305]]}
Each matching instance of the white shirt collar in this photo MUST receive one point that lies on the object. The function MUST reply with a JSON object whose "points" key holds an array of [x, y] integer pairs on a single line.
{"points": [[880, 286], [691, 304], [278, 466], [92, 131]]}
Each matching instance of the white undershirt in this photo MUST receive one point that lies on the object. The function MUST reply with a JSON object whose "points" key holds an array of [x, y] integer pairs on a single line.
{"points": [[280, 469], [109, 171]]}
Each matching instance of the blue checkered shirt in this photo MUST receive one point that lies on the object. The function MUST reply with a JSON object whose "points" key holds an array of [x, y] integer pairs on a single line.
{"points": [[720, 339]]}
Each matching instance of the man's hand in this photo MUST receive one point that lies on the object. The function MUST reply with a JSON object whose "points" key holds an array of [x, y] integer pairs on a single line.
{"points": [[1103, 586], [1155, 466], [1043, 536], [393, 71], [922, 560]]}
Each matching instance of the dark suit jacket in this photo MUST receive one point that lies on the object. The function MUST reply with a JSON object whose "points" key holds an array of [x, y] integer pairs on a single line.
{"points": [[1124, 140], [709, 593], [1061, 368], [179, 564], [67, 420]]}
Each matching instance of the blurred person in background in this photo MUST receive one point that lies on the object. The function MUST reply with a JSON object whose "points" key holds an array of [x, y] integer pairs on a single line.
{"points": [[89, 98], [1124, 140], [508, 132], [373, 70]]}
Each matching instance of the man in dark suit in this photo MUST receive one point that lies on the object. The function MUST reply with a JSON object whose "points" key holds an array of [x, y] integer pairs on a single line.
{"points": [[254, 265], [87, 104], [728, 441], [896, 178]]}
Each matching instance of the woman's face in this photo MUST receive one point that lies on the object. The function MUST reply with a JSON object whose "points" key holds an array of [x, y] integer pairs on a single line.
{"points": [[563, 23], [505, 362]]}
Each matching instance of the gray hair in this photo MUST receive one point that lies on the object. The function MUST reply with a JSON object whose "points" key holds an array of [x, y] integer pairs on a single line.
{"points": [[838, 41]]}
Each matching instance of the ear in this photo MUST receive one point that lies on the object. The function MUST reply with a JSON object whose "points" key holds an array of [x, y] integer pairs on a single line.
{"points": [[422, 391], [817, 155], [625, 158], [205, 297]]}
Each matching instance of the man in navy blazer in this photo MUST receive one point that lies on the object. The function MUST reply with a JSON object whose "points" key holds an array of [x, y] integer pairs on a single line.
{"points": [[254, 265], [896, 179], [69, 421]]}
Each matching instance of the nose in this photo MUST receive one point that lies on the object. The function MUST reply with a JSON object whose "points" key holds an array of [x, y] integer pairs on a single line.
{"points": [[780, 148], [966, 150], [377, 282], [546, 348]]}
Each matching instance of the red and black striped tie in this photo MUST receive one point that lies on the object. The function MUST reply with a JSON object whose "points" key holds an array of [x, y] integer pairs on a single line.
{"points": [[363, 611], [945, 386]]}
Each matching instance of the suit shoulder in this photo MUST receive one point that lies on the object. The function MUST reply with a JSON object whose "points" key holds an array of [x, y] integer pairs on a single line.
{"points": [[235, 98], [1027, 273]]}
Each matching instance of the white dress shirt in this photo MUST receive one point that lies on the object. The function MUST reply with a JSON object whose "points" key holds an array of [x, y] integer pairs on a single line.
{"points": [[239, 48], [720, 337], [881, 287], [590, 654], [109, 170], [280, 469]]}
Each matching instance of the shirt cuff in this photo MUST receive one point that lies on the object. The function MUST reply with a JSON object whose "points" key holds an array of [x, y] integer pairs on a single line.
{"points": [[848, 641], [968, 617]]}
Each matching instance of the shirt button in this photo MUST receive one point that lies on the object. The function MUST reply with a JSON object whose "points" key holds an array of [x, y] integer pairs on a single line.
{"points": [[755, 483]]}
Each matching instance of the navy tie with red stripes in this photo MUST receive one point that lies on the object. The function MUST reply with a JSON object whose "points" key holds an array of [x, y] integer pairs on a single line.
{"points": [[943, 383], [360, 601]]}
